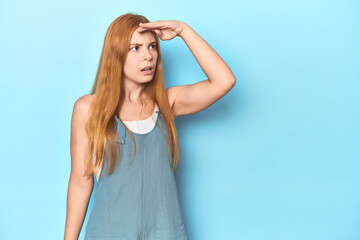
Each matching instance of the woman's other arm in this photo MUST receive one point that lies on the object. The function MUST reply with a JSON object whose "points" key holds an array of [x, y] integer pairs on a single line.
{"points": [[192, 98], [195, 97], [79, 188]]}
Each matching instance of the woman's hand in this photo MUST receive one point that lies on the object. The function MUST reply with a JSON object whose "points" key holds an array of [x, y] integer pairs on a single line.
{"points": [[165, 30]]}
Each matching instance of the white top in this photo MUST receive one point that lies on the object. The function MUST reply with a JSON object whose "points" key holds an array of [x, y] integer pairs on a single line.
{"points": [[143, 126], [139, 127]]}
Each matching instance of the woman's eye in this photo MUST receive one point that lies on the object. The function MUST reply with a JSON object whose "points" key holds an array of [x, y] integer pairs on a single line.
{"points": [[154, 47]]}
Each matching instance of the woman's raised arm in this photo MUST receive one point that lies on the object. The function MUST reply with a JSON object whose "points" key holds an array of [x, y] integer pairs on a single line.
{"points": [[195, 97]]}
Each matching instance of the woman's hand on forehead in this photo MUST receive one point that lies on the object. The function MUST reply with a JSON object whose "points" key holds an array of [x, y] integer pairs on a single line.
{"points": [[165, 30]]}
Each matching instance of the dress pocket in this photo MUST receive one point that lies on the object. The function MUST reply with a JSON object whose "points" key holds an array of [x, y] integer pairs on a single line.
{"points": [[171, 233]]}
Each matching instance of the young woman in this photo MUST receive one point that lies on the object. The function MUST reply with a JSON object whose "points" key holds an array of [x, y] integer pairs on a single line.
{"points": [[124, 133]]}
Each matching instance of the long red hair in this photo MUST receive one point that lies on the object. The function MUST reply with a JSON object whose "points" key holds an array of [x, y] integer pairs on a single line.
{"points": [[108, 94]]}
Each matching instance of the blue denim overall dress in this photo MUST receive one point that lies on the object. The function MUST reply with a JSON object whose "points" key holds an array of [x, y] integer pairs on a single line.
{"points": [[139, 200]]}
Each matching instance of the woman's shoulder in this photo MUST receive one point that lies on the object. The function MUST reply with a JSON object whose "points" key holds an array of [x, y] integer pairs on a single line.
{"points": [[82, 105], [85, 100]]}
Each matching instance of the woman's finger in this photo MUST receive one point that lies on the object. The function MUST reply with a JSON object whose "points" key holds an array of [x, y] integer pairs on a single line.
{"points": [[158, 32], [150, 25], [141, 29]]}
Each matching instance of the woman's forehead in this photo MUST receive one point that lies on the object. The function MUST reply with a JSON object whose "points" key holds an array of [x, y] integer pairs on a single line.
{"points": [[146, 36]]}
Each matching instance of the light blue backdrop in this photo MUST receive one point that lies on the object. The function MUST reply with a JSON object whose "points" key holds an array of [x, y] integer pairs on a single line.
{"points": [[275, 159]]}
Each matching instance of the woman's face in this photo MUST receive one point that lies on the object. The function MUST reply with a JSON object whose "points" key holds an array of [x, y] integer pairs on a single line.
{"points": [[142, 53]]}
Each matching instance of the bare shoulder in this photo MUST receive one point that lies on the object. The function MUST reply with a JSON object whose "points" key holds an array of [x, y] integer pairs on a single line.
{"points": [[83, 103], [81, 107], [80, 117]]}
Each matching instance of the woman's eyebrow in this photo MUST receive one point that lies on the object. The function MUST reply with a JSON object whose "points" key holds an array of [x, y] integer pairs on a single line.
{"points": [[141, 43]]}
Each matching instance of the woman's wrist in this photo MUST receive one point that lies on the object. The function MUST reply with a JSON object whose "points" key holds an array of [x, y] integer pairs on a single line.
{"points": [[183, 27]]}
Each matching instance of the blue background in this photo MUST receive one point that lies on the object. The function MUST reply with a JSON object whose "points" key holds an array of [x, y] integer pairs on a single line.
{"points": [[276, 158]]}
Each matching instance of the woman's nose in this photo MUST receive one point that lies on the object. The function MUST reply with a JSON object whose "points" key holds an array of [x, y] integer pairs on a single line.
{"points": [[148, 55]]}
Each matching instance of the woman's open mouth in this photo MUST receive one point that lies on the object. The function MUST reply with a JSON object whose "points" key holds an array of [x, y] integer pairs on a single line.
{"points": [[148, 70]]}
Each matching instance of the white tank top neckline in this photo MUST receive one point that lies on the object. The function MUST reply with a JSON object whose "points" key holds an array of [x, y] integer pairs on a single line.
{"points": [[143, 126]]}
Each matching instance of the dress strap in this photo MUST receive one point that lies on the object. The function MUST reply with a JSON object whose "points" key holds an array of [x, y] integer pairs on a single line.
{"points": [[121, 130], [156, 108]]}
